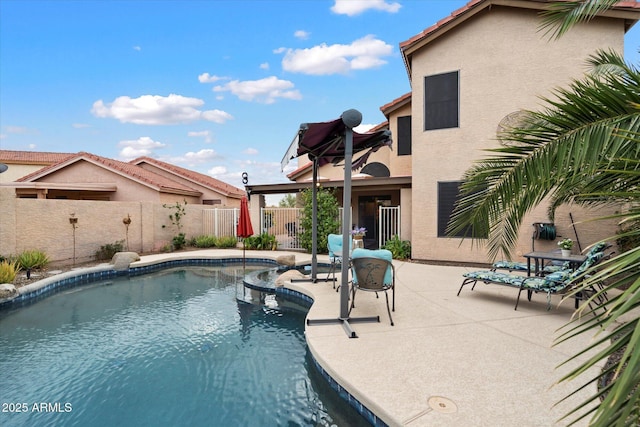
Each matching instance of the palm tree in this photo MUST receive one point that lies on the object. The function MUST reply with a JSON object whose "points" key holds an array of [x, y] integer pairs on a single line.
{"points": [[583, 148]]}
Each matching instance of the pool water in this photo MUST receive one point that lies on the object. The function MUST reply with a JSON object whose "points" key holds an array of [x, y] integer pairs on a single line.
{"points": [[188, 346]]}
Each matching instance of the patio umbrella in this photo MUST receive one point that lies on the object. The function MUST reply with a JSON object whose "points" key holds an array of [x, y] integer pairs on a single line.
{"points": [[335, 142], [244, 228], [325, 143]]}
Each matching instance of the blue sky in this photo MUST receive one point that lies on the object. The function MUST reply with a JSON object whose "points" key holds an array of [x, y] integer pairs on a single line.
{"points": [[216, 86]]}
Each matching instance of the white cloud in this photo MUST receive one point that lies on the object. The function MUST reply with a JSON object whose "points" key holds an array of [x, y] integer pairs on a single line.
{"points": [[301, 34], [250, 151], [16, 129], [201, 156], [266, 90], [201, 134], [356, 7], [325, 59], [207, 78], [217, 171], [80, 125], [143, 146], [157, 110], [363, 128], [264, 66], [138, 48]]}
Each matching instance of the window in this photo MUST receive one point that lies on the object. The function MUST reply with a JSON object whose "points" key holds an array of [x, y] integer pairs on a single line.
{"points": [[441, 101], [447, 197], [404, 136]]}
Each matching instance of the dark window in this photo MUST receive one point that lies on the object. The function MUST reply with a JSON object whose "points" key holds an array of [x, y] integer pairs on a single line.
{"points": [[447, 197], [441, 101], [404, 136], [211, 202]]}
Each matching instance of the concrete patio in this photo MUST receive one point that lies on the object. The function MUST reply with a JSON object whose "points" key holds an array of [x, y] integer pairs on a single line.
{"points": [[448, 361]]}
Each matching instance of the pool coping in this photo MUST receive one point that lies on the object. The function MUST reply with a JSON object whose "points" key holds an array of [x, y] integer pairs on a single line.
{"points": [[53, 284]]}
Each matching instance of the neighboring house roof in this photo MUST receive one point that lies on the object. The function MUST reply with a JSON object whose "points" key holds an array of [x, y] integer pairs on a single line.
{"points": [[32, 157], [397, 103], [133, 172], [202, 179], [458, 16]]}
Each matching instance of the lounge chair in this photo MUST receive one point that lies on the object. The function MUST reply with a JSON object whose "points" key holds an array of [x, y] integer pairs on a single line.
{"points": [[554, 283], [373, 271], [334, 244]]}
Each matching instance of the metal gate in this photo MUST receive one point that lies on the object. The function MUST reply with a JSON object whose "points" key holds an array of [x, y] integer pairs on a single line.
{"points": [[284, 223], [220, 222], [388, 223]]}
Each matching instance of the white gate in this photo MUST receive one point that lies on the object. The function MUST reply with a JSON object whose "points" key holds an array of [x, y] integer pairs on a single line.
{"points": [[388, 223], [220, 222], [284, 223]]}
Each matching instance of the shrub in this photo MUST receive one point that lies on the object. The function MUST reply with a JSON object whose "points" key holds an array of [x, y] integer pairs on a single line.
{"points": [[327, 215], [107, 251], [204, 241], [226, 242], [400, 249], [178, 242], [263, 241], [8, 271], [32, 259]]}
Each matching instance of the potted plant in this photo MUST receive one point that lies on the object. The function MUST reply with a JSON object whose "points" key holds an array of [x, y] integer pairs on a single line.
{"points": [[565, 246], [358, 234]]}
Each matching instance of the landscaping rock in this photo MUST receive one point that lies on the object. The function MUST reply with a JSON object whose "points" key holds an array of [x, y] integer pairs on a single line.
{"points": [[121, 260], [287, 276], [8, 291], [286, 260]]}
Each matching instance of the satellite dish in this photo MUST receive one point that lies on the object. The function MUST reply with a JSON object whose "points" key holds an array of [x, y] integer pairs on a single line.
{"points": [[3, 167]]}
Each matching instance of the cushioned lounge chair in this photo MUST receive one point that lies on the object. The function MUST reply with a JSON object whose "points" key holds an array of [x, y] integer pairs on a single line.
{"points": [[554, 283], [373, 271]]}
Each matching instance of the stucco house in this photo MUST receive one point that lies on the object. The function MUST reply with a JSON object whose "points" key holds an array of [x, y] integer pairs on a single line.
{"points": [[86, 176], [470, 73]]}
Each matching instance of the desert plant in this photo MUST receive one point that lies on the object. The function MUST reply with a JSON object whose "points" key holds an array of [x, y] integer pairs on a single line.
{"points": [[8, 271], [400, 249], [107, 251], [31, 259]]}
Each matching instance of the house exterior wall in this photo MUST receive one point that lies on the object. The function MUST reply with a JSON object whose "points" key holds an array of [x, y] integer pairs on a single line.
{"points": [[16, 171], [83, 171], [499, 72], [399, 165]]}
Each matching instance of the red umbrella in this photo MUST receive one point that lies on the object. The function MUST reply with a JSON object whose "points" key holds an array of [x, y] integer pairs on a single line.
{"points": [[244, 228]]}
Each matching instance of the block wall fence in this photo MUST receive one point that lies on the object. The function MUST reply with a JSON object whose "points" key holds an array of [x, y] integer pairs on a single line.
{"points": [[27, 224]]}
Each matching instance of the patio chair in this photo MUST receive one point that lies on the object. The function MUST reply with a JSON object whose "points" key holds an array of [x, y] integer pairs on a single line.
{"points": [[373, 271], [334, 244], [554, 283]]}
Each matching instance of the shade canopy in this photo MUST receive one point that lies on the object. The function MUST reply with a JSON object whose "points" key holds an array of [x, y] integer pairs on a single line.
{"points": [[325, 142]]}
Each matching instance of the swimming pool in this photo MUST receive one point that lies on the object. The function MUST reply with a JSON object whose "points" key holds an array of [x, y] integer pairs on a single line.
{"points": [[182, 346]]}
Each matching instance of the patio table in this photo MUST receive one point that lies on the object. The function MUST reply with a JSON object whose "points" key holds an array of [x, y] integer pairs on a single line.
{"points": [[539, 257]]}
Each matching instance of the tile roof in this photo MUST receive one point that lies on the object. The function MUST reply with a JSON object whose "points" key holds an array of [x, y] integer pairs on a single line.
{"points": [[205, 180], [396, 103], [32, 157], [134, 172]]}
